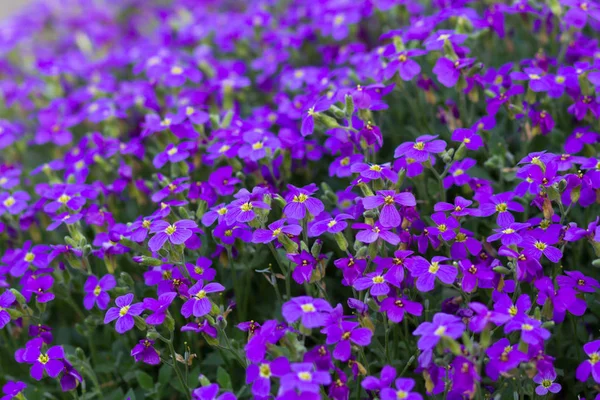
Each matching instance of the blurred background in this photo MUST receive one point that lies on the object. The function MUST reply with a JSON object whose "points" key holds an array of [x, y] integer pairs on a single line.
{"points": [[9, 7]]}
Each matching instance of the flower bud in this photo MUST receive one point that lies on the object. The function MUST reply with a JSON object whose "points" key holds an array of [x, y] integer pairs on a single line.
{"points": [[152, 335], [221, 322], [502, 270], [202, 206], [20, 298], [349, 105], [341, 241], [460, 153], [125, 280], [287, 243], [183, 212], [140, 323], [316, 248], [169, 323], [151, 262]]}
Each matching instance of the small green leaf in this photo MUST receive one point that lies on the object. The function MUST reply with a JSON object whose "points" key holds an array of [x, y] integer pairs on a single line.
{"points": [[223, 378], [144, 380]]}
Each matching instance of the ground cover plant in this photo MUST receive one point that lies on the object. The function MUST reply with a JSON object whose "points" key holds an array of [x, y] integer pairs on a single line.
{"points": [[379, 199]]}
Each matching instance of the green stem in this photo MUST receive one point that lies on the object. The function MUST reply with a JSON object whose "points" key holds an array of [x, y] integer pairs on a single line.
{"points": [[184, 385]]}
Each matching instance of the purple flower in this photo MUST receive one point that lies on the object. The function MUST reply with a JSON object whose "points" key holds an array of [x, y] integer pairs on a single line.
{"points": [[70, 377], [445, 226], [202, 269], [123, 313], [308, 120], [457, 173], [13, 203], [426, 272], [378, 282], [421, 149], [396, 307], [299, 202], [159, 307], [173, 153], [448, 71], [592, 364], [443, 325], [305, 264], [404, 387], [531, 330], [276, 229], [211, 392], [375, 171], [222, 181], [576, 280], [176, 233], [545, 380], [49, 361], [406, 68], [96, 291], [502, 204], [304, 378], [6, 300], [372, 233], [11, 389], [40, 286], [538, 81], [508, 234], [330, 225], [312, 312], [458, 209], [389, 216], [242, 210], [345, 334], [200, 327], [260, 375], [144, 351], [473, 273], [503, 357], [469, 137], [199, 304], [371, 383], [539, 242]]}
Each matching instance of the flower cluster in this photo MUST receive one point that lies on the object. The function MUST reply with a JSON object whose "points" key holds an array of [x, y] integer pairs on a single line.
{"points": [[298, 200]]}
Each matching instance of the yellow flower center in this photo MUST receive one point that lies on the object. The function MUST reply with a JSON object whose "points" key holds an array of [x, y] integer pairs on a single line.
{"points": [[276, 232], [527, 327], [508, 231], [440, 331], [378, 279], [172, 151], [97, 290], [176, 70], [224, 148], [64, 198], [146, 224], [434, 267], [305, 376], [534, 76], [257, 146], [308, 307], [458, 172], [29, 257], [594, 358], [513, 311], [461, 237], [166, 122], [123, 310], [442, 228], [345, 161], [402, 58], [247, 206], [199, 270], [301, 198], [265, 371], [331, 223], [43, 358], [222, 211], [375, 168], [200, 295], [189, 110], [419, 146], [502, 207], [228, 232], [401, 394], [388, 200], [540, 245]]}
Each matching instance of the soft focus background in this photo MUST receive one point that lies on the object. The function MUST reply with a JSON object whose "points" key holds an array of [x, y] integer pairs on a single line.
{"points": [[8, 7]]}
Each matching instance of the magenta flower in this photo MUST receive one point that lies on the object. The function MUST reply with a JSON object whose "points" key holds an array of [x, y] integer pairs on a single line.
{"points": [[311, 312], [308, 120], [389, 216], [421, 149], [474, 273], [445, 227], [404, 387], [346, 334], [469, 137], [260, 375], [545, 380], [144, 351], [13, 203], [123, 313], [401, 63], [202, 269], [426, 272], [304, 378], [330, 225], [199, 304], [173, 153], [531, 329], [176, 233], [96, 291], [375, 171]]}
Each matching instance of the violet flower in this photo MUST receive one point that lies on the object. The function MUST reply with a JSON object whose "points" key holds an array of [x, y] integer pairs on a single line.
{"points": [[199, 304], [124, 313], [144, 351], [96, 291]]}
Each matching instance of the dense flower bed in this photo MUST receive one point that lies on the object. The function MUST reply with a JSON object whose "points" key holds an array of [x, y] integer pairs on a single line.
{"points": [[382, 199]]}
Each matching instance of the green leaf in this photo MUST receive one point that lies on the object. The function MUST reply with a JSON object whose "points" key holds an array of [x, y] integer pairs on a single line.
{"points": [[144, 380], [164, 375], [223, 378], [130, 395]]}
